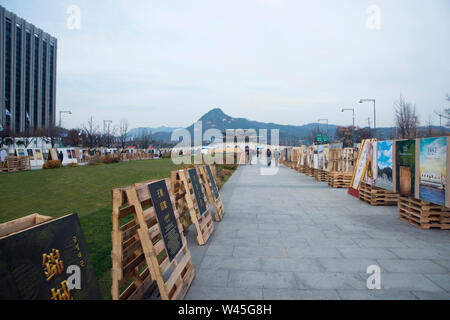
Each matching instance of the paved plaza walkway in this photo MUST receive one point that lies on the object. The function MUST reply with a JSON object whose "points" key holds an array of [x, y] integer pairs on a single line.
{"points": [[289, 237]]}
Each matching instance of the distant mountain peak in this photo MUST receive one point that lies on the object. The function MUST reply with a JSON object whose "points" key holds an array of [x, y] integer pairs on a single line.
{"points": [[215, 114]]}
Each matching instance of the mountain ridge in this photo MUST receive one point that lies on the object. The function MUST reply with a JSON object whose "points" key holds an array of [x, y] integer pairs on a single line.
{"points": [[289, 134]]}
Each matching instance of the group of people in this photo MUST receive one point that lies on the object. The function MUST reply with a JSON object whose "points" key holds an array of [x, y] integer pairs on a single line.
{"points": [[269, 155]]}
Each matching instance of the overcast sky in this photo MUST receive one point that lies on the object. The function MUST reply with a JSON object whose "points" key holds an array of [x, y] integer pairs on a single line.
{"points": [[285, 61]]}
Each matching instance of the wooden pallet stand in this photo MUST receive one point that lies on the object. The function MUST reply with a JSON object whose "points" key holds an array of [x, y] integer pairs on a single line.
{"points": [[189, 208], [24, 163], [423, 214], [210, 186], [320, 175], [309, 172], [302, 169], [12, 163], [339, 179], [376, 196], [139, 254], [9, 228]]}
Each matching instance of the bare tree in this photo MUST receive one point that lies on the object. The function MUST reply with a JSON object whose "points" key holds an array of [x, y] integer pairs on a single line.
{"points": [[92, 132], [123, 132], [145, 138], [429, 130], [406, 119], [447, 111], [73, 138]]}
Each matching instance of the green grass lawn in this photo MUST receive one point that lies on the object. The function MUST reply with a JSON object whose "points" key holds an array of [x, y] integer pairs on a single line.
{"points": [[85, 190]]}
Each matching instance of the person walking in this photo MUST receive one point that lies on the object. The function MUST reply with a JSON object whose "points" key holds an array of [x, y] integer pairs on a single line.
{"points": [[269, 157], [61, 157], [3, 155], [277, 157]]}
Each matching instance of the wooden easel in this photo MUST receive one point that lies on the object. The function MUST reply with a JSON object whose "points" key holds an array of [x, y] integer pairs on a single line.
{"points": [[212, 193], [9, 228], [187, 202], [139, 254]]}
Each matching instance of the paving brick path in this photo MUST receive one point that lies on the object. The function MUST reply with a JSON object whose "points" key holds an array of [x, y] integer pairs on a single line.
{"points": [[289, 237]]}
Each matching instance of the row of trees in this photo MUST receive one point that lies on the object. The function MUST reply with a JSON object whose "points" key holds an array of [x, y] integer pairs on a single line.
{"points": [[89, 135]]}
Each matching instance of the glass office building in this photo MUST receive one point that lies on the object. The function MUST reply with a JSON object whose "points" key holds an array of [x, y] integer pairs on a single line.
{"points": [[27, 75]]}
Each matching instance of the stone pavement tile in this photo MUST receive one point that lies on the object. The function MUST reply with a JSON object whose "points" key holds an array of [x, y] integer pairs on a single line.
{"points": [[229, 227], [219, 250], [211, 293], [442, 280], [210, 278], [243, 241], [420, 253], [426, 295], [220, 235], [289, 294], [424, 244], [347, 265], [280, 227], [376, 295], [413, 266], [408, 282], [287, 243], [240, 251], [330, 281], [243, 232], [231, 263], [349, 234], [289, 264], [332, 243], [355, 227], [258, 279], [370, 253], [313, 253], [380, 243], [443, 262], [376, 234]]}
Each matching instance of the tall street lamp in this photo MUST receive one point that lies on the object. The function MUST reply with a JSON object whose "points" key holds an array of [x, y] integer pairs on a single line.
{"points": [[60, 118], [374, 115], [353, 125], [352, 110]]}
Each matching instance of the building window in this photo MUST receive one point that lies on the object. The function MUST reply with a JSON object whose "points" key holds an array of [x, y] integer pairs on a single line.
{"points": [[36, 82], [18, 78], [51, 89], [27, 79], [44, 84], [8, 60]]}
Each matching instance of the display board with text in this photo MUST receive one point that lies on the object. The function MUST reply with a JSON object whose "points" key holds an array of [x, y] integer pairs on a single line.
{"points": [[49, 261]]}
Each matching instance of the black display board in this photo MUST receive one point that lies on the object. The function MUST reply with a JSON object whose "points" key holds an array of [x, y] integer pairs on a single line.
{"points": [[166, 218], [197, 190], [213, 182], [39, 263]]}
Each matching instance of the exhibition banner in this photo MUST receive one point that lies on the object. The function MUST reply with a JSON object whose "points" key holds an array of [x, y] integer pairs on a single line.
{"points": [[406, 167], [433, 170], [385, 165]]}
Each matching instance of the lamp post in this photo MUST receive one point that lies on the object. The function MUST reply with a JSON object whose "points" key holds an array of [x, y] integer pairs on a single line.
{"points": [[374, 115], [352, 110], [353, 125], [60, 114]]}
